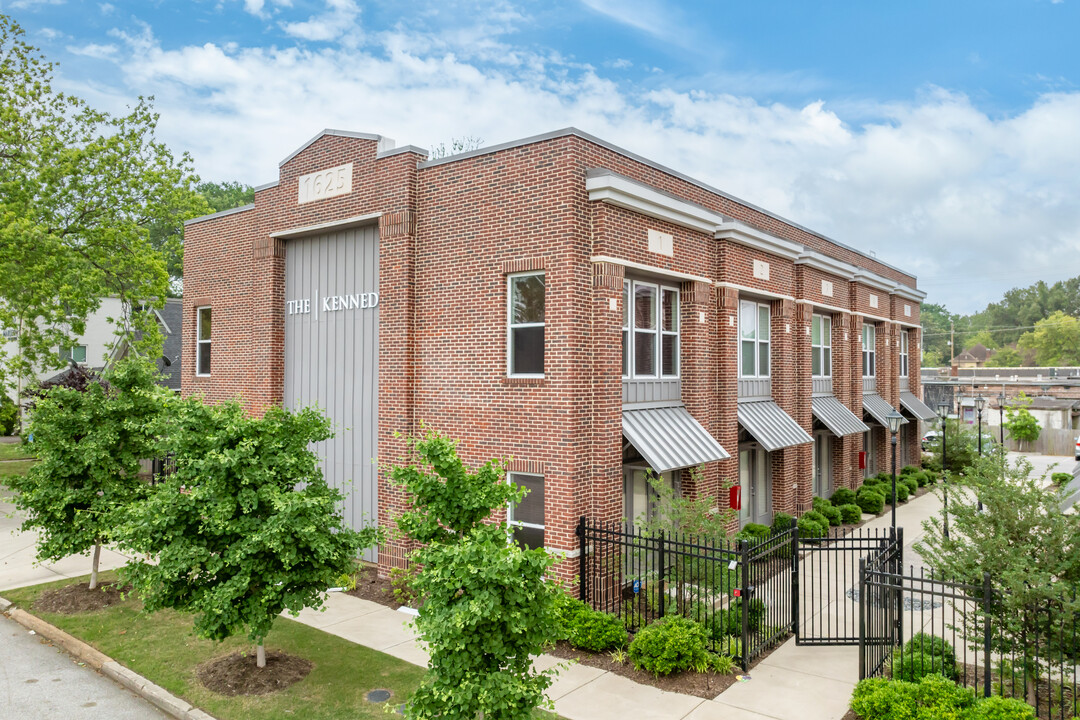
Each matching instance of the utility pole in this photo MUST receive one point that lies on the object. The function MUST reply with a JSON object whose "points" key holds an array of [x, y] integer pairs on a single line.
{"points": [[952, 343]]}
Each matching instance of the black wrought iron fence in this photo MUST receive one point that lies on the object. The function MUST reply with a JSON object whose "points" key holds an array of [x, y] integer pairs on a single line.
{"points": [[740, 592]]}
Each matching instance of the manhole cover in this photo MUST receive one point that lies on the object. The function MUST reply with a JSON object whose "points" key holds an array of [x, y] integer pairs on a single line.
{"points": [[377, 696]]}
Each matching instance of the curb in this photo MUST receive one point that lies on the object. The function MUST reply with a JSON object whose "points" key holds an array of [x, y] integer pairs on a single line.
{"points": [[154, 694]]}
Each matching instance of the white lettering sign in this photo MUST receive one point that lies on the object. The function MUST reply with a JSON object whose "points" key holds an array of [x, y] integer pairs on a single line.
{"points": [[333, 303], [325, 184]]}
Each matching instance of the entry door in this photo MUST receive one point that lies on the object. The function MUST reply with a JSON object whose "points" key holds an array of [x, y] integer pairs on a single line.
{"points": [[640, 499], [822, 464], [868, 446], [755, 483], [332, 356]]}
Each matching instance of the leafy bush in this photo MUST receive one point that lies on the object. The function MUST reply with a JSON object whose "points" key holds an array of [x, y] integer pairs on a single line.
{"points": [[932, 697], [925, 654], [910, 483], [818, 503], [872, 483], [401, 580], [902, 492], [588, 629], [942, 696], [754, 533], [673, 644], [9, 413], [832, 514], [755, 614], [724, 664], [870, 501], [817, 517], [811, 529], [909, 470], [1061, 478], [1000, 708], [843, 496], [781, 522], [851, 513], [722, 624]]}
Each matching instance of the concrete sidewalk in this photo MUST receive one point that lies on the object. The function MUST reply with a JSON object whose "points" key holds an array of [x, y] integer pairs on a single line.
{"points": [[809, 683]]}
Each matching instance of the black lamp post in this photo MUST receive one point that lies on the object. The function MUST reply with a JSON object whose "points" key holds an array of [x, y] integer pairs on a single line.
{"points": [[980, 403], [1001, 418], [894, 419], [943, 413]]}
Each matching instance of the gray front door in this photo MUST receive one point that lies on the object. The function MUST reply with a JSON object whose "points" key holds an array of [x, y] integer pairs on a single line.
{"points": [[755, 485], [332, 356]]}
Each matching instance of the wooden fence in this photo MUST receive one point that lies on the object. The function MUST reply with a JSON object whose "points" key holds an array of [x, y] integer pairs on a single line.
{"points": [[1052, 441]]}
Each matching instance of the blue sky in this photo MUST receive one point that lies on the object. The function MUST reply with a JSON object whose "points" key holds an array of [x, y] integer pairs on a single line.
{"points": [[944, 137]]}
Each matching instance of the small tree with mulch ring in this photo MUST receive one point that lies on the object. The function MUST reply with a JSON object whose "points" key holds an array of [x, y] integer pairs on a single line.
{"points": [[89, 434], [246, 527]]}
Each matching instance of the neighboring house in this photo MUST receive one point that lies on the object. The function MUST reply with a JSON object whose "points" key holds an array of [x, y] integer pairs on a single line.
{"points": [[1054, 392], [170, 321], [583, 312]]}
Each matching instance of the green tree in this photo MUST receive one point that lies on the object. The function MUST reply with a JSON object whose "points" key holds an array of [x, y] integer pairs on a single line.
{"points": [[1030, 549], [1020, 423], [1005, 357], [488, 604], [88, 439], [226, 195], [982, 337], [246, 527], [935, 321], [79, 190], [932, 359], [1055, 340]]}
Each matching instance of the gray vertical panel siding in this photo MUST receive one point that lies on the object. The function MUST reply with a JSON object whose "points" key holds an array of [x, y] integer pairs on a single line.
{"points": [[823, 385], [755, 387], [904, 385], [869, 384], [332, 359], [640, 391]]}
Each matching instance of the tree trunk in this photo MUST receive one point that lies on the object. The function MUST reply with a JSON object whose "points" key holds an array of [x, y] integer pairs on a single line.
{"points": [[94, 568], [260, 656]]}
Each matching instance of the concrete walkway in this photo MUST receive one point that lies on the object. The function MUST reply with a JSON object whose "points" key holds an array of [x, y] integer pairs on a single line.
{"points": [[809, 683]]}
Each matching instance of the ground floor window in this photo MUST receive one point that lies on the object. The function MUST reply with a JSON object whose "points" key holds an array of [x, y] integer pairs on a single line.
{"points": [[755, 485], [641, 501], [526, 519], [822, 464]]}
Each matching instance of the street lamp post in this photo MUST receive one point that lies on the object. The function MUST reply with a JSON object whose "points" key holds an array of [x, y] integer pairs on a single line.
{"points": [[894, 419], [943, 413], [980, 403], [1001, 417]]}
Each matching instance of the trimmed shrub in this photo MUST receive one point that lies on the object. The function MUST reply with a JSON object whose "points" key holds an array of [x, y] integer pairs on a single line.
{"points": [[942, 697], [1000, 708], [842, 496], [832, 514], [754, 533], [755, 615], [589, 629], [811, 529], [902, 491], [872, 483], [870, 501], [911, 484], [819, 502], [673, 644], [817, 517], [851, 513], [781, 522], [1061, 478], [909, 470], [923, 655], [881, 699]]}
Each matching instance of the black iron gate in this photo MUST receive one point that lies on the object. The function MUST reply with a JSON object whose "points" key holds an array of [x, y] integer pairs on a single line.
{"points": [[881, 605], [827, 585]]}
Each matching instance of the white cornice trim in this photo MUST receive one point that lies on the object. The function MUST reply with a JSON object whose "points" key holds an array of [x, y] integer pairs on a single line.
{"points": [[223, 213], [384, 143], [755, 291], [829, 308], [334, 225], [737, 232], [606, 186], [874, 280], [910, 293], [826, 264], [673, 274]]}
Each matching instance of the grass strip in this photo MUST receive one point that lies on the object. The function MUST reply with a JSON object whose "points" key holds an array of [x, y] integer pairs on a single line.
{"points": [[14, 451], [18, 467]]}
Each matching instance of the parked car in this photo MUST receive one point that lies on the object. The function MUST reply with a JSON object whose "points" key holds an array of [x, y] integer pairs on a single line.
{"points": [[930, 439]]}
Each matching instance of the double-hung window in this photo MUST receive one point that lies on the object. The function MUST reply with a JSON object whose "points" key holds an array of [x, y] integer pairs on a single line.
{"points": [[526, 518], [821, 346], [869, 350], [525, 324], [202, 341], [650, 333], [903, 353], [75, 353], [753, 339]]}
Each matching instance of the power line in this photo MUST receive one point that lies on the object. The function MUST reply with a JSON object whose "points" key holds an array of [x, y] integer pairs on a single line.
{"points": [[1004, 328]]}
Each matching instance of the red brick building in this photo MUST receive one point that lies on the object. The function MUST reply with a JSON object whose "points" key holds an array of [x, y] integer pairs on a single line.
{"points": [[562, 303]]}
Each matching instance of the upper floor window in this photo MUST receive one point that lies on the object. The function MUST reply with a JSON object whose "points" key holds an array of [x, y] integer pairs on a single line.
{"points": [[753, 339], [526, 519], [650, 330], [525, 325], [202, 340], [75, 352], [869, 350], [903, 353], [821, 346]]}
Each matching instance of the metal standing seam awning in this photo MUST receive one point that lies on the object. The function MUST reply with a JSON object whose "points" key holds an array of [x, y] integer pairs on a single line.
{"points": [[916, 407], [670, 438], [836, 416], [771, 426], [878, 408]]}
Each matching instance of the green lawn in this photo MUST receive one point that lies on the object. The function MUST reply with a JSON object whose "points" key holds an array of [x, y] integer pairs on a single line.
{"points": [[20, 467], [161, 647], [13, 451]]}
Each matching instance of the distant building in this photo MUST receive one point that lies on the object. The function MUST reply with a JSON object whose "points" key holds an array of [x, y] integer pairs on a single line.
{"points": [[1053, 392]]}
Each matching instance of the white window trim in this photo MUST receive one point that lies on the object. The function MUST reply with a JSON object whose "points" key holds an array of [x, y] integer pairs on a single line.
{"points": [[904, 355], [69, 356], [198, 342], [871, 352], [511, 523], [826, 342], [511, 326], [658, 331], [757, 341]]}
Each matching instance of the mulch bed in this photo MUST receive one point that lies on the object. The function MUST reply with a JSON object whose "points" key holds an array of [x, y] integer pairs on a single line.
{"points": [[237, 674], [79, 598], [369, 586]]}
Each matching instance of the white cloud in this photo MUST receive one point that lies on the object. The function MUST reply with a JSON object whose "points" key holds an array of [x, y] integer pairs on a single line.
{"points": [[338, 21], [32, 4], [933, 185], [258, 7], [93, 50], [106, 8]]}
